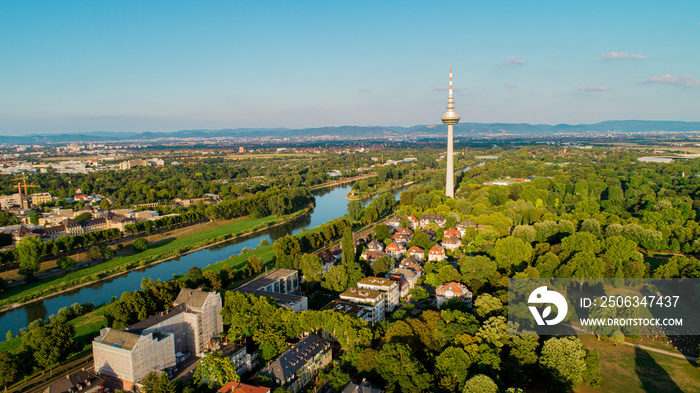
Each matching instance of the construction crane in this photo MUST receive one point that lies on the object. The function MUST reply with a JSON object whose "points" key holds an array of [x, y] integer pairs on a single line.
{"points": [[19, 187]]}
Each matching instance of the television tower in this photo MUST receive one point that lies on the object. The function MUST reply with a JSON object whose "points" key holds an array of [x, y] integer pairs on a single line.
{"points": [[450, 118]]}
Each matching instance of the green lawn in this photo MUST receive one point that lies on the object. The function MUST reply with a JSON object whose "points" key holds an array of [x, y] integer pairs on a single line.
{"points": [[168, 247], [629, 370]]}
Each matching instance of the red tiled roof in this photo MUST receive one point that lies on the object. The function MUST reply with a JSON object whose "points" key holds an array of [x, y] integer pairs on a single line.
{"points": [[238, 387], [416, 249], [452, 232], [437, 249], [456, 288]]}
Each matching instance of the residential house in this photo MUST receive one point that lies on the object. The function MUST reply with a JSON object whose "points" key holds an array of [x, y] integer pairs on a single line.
{"points": [[453, 290], [409, 275], [451, 243], [375, 245], [372, 256], [404, 287], [396, 250], [412, 264], [436, 254], [462, 226], [374, 300], [436, 218], [417, 253], [354, 309], [414, 222], [401, 238], [453, 232], [362, 387], [393, 223], [280, 284], [300, 364], [242, 361], [384, 285], [405, 231]]}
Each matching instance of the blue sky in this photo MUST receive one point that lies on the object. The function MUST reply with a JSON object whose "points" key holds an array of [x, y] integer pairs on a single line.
{"points": [[171, 65]]}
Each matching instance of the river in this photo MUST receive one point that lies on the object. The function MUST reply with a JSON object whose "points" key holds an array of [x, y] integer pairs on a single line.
{"points": [[330, 204]]}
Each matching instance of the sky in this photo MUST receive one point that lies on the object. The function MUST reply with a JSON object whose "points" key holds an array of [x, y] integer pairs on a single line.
{"points": [[81, 66]]}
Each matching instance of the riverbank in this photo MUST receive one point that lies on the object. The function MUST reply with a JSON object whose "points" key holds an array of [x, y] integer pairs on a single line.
{"points": [[161, 251]]}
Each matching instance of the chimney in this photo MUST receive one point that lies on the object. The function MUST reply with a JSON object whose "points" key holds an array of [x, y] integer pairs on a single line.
{"points": [[68, 375]]}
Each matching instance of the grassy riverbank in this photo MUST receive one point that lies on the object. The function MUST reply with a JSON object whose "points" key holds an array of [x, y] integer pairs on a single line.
{"points": [[163, 249]]}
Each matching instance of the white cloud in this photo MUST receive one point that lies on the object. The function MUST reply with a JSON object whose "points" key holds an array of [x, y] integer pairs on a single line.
{"points": [[591, 88], [513, 60], [684, 80], [620, 55]]}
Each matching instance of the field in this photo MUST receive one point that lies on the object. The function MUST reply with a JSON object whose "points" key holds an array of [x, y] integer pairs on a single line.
{"points": [[627, 369]]}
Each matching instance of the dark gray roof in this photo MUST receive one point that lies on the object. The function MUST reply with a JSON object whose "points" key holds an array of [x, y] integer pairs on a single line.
{"points": [[85, 379], [364, 387], [281, 298], [265, 280], [140, 326], [344, 307], [285, 367]]}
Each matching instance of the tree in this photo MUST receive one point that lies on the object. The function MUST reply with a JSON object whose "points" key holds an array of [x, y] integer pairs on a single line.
{"points": [[480, 268], [34, 217], [52, 342], [525, 233], [335, 279], [216, 371], [108, 253], [140, 245], [66, 263], [370, 215], [94, 253], [510, 252], [400, 368], [8, 368], [382, 232], [355, 210], [348, 246], [29, 256], [563, 361], [617, 338], [194, 277], [487, 305], [254, 265], [153, 383], [382, 265], [337, 379], [311, 267], [83, 217], [480, 384], [592, 375], [451, 367]]}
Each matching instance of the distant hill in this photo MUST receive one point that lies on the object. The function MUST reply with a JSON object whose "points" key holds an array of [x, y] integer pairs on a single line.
{"points": [[362, 132]]}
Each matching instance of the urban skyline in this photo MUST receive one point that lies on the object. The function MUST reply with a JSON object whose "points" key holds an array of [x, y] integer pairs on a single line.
{"points": [[80, 67]]}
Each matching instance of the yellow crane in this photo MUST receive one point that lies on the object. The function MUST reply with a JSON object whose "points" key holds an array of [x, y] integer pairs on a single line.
{"points": [[19, 187]]}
